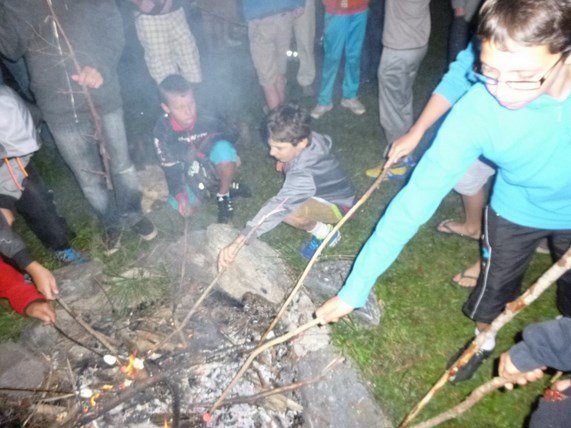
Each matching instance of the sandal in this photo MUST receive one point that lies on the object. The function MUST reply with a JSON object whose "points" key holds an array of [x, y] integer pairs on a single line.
{"points": [[464, 275], [444, 227]]}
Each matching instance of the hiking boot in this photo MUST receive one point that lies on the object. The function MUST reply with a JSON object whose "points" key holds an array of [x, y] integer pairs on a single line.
{"points": [[70, 256], [111, 241], [225, 209], [320, 110], [145, 229], [238, 189], [310, 247], [354, 105], [467, 370]]}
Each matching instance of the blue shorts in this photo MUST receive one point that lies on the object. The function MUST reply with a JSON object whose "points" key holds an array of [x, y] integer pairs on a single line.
{"points": [[222, 151]]}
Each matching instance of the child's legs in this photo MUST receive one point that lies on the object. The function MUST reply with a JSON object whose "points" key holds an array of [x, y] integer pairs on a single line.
{"points": [[37, 208], [224, 157], [353, 47], [560, 243], [336, 27], [311, 212], [507, 250]]}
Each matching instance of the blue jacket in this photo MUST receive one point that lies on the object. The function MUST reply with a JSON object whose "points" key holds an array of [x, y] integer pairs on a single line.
{"points": [[256, 9], [531, 147]]}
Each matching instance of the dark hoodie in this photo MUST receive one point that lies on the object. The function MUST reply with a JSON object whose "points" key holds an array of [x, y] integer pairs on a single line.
{"points": [[95, 31]]}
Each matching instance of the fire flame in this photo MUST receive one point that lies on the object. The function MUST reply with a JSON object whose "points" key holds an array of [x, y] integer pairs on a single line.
{"points": [[107, 387], [94, 398], [135, 364], [165, 422]]}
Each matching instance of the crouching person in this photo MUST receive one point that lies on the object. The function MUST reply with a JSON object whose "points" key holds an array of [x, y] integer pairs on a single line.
{"points": [[194, 153], [316, 191]]}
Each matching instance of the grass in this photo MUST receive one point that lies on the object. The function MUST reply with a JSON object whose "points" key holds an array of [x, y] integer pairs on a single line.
{"points": [[422, 323]]}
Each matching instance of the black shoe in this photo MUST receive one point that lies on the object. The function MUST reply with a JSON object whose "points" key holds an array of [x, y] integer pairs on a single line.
{"points": [[111, 241], [467, 370], [145, 229], [225, 209], [239, 189]]}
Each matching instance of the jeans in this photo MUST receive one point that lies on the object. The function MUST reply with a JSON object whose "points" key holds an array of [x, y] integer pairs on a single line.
{"points": [[76, 144]]}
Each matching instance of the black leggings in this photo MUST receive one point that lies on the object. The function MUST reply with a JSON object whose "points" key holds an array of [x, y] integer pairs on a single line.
{"points": [[37, 208]]}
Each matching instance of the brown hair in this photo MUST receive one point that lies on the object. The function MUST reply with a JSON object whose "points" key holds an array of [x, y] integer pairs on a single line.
{"points": [[173, 84], [289, 123], [528, 22]]}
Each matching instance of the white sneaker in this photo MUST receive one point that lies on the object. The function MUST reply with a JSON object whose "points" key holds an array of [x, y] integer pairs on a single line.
{"points": [[354, 105], [320, 110]]}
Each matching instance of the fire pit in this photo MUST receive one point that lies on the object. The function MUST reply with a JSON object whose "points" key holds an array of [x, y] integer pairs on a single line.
{"points": [[175, 383]]}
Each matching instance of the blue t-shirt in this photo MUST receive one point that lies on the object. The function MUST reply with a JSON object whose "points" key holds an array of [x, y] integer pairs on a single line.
{"points": [[532, 150]]}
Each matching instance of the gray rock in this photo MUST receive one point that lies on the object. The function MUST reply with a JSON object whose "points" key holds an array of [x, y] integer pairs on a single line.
{"points": [[342, 399], [20, 368], [326, 279]]}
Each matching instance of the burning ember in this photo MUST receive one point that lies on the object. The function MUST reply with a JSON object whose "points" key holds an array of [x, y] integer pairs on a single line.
{"points": [[133, 367], [94, 398]]}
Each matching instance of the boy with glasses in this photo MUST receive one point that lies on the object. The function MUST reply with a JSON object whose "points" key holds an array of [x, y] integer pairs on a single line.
{"points": [[525, 129]]}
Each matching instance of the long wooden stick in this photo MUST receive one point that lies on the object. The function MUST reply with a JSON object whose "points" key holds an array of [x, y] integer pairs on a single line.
{"points": [[206, 292], [511, 310], [86, 326], [253, 355], [320, 249], [465, 405]]}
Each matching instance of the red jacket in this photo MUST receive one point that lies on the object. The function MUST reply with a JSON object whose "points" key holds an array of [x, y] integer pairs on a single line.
{"points": [[14, 288], [345, 7]]}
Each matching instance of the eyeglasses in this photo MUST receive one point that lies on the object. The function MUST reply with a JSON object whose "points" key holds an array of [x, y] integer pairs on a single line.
{"points": [[520, 85]]}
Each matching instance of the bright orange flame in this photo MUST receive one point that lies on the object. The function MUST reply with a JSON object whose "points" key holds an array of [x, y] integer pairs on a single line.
{"points": [[94, 398], [165, 422], [130, 369], [107, 387]]}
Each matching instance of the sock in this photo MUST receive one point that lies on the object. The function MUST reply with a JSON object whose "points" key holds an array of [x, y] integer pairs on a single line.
{"points": [[221, 195], [489, 344], [320, 230]]}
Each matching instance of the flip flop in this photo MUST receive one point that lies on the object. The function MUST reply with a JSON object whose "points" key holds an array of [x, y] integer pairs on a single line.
{"points": [[445, 228], [464, 275]]}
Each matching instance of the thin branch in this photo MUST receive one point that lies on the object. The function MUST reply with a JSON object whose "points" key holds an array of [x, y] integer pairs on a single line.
{"points": [[465, 405], [254, 354], [511, 310], [323, 245], [86, 326]]}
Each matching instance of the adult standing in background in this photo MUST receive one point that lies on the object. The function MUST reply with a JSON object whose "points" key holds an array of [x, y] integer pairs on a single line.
{"points": [[304, 32], [464, 11]]}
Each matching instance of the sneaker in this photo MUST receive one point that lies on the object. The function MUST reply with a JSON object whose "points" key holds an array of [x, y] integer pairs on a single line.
{"points": [[111, 241], [310, 247], [70, 256], [467, 370], [239, 189], [374, 172], [225, 209], [145, 229], [354, 105], [320, 110], [402, 169]]}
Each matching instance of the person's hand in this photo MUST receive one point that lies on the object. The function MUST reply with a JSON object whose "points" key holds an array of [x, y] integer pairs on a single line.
{"points": [[43, 279], [403, 146], [510, 372], [333, 309], [42, 311], [280, 166], [228, 254], [184, 208], [88, 76]]}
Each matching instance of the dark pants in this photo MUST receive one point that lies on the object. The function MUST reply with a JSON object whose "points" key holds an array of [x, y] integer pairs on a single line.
{"points": [[552, 414], [38, 210], [506, 252]]}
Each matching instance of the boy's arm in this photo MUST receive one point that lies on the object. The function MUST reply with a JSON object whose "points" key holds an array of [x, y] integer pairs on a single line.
{"points": [[298, 187], [172, 167]]}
